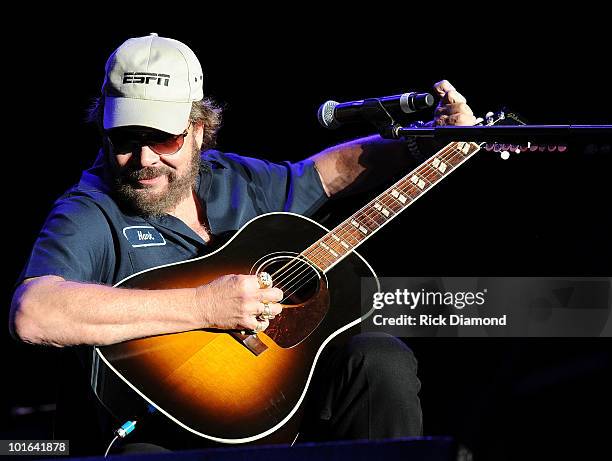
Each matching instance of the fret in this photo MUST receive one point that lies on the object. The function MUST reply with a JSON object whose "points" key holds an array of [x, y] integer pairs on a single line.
{"points": [[364, 217], [382, 209], [418, 181], [435, 170], [358, 223], [335, 248], [312, 259], [439, 165], [324, 257], [412, 191], [329, 250], [394, 194], [431, 176], [320, 252], [336, 242], [454, 157], [354, 235], [351, 233], [463, 147], [402, 198], [374, 215]]}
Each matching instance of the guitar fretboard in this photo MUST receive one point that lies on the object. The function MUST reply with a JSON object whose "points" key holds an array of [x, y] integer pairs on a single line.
{"points": [[352, 232]]}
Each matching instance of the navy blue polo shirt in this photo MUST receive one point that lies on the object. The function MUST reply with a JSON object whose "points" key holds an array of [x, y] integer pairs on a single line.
{"points": [[88, 238]]}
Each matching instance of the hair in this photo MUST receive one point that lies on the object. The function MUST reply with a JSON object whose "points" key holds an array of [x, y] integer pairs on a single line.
{"points": [[205, 112]]}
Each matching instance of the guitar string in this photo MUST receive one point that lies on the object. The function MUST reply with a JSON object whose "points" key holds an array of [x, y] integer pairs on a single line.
{"points": [[321, 255], [426, 171], [301, 282], [316, 275], [343, 231]]}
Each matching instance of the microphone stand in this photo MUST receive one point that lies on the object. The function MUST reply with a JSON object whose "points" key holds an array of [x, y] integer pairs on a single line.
{"points": [[507, 134]]}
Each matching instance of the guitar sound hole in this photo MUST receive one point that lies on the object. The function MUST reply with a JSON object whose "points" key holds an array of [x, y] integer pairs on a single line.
{"points": [[298, 280]]}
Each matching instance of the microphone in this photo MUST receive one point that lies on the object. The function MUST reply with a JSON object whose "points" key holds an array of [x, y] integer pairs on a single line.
{"points": [[332, 114]]}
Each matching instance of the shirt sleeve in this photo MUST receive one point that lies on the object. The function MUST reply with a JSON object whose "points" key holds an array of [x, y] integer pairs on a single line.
{"points": [[285, 186], [75, 243]]}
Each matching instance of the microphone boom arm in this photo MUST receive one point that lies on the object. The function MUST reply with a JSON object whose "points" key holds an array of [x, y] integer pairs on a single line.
{"points": [[509, 134]]}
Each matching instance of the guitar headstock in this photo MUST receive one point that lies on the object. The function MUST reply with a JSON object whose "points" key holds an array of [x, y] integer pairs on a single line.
{"points": [[505, 150]]}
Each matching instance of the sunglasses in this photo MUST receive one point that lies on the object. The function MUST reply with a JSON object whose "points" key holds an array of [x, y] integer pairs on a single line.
{"points": [[126, 140]]}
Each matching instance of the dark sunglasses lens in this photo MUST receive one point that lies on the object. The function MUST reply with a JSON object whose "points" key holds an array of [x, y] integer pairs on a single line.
{"points": [[128, 142], [123, 144], [167, 146]]}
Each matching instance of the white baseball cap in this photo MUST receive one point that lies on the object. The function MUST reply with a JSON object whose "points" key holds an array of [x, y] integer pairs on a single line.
{"points": [[151, 81]]}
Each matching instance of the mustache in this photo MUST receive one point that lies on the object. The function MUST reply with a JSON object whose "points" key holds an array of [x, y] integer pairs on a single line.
{"points": [[147, 172]]}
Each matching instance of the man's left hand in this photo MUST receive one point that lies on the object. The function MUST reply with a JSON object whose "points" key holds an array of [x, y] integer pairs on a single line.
{"points": [[452, 108]]}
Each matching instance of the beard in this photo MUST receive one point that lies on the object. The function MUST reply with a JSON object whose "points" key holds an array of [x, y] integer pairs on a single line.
{"points": [[142, 200]]}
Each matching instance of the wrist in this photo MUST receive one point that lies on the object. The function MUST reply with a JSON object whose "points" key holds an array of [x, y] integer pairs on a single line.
{"points": [[199, 308]]}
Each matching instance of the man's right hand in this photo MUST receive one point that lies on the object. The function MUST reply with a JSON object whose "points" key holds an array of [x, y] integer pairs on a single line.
{"points": [[235, 302]]}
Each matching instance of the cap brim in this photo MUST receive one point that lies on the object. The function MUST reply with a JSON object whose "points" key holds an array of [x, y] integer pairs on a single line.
{"points": [[171, 117]]}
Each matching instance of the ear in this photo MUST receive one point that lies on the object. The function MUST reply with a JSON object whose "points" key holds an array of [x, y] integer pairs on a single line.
{"points": [[198, 133]]}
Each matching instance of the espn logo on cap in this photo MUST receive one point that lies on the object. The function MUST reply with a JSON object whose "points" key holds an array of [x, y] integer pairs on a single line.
{"points": [[146, 78]]}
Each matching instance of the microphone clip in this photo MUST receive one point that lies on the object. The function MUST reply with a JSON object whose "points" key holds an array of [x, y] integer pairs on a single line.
{"points": [[375, 113]]}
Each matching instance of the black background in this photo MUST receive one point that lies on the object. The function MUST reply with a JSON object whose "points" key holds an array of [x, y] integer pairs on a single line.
{"points": [[540, 214]]}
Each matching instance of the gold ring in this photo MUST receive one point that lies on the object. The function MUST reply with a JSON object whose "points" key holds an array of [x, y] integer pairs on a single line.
{"points": [[264, 279], [266, 314]]}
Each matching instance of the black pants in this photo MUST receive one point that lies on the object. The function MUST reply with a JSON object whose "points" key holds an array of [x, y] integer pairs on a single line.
{"points": [[366, 388]]}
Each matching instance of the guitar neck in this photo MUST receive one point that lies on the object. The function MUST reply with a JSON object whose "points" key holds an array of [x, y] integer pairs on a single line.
{"points": [[352, 232]]}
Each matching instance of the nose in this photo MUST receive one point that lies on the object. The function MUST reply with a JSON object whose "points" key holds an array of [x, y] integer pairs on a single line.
{"points": [[148, 157]]}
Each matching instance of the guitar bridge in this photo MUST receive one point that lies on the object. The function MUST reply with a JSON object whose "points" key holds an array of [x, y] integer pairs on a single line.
{"points": [[251, 342]]}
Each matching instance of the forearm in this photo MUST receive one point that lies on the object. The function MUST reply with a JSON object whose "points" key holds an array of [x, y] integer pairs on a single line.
{"points": [[50, 310], [367, 162], [362, 164]]}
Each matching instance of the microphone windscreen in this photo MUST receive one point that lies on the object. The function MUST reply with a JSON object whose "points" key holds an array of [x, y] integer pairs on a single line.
{"points": [[326, 115]]}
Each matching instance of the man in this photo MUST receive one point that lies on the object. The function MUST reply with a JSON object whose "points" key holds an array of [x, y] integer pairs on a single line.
{"points": [[152, 198]]}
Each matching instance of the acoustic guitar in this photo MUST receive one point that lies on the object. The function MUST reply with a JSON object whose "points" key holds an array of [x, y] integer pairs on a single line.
{"points": [[236, 387]]}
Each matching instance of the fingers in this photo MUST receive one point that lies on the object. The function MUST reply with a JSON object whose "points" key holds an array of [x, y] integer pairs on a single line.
{"points": [[238, 302], [443, 87], [455, 108], [262, 314], [452, 108], [448, 94], [249, 285], [274, 308], [456, 119], [249, 282], [270, 295], [258, 325], [454, 97]]}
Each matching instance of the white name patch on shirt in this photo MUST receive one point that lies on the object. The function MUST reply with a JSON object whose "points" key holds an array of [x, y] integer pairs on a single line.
{"points": [[143, 236]]}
